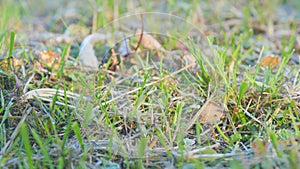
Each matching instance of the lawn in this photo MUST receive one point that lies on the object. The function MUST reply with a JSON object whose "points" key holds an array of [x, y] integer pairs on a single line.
{"points": [[149, 84]]}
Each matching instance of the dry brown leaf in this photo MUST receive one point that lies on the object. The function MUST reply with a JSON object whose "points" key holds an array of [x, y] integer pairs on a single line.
{"points": [[47, 59], [50, 59], [212, 112], [16, 63], [270, 61], [148, 41]]}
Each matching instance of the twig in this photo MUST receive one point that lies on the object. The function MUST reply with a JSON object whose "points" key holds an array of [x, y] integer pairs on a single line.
{"points": [[142, 33]]}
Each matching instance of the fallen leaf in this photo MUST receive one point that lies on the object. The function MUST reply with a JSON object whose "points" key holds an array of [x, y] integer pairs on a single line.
{"points": [[270, 61], [212, 112], [49, 59], [87, 54], [148, 41], [16, 63]]}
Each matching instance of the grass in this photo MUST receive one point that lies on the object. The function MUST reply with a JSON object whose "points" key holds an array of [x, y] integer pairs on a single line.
{"points": [[153, 112]]}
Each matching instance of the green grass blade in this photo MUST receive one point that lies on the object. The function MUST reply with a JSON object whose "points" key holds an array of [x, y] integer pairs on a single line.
{"points": [[275, 143], [11, 48], [243, 89], [26, 143], [61, 163], [221, 132], [43, 148], [142, 147], [62, 61], [67, 131], [6, 112], [77, 132]]}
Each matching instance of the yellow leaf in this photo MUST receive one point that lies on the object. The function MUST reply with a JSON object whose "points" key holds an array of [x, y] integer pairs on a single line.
{"points": [[270, 61], [49, 58], [16, 63]]}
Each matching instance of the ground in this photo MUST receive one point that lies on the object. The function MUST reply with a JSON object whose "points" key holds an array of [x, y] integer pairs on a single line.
{"points": [[149, 84]]}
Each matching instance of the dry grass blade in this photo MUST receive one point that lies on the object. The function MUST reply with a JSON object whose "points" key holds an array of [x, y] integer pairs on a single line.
{"points": [[45, 94], [27, 83], [152, 83], [16, 132], [251, 116], [48, 92], [10, 117], [158, 95], [192, 153], [225, 155]]}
